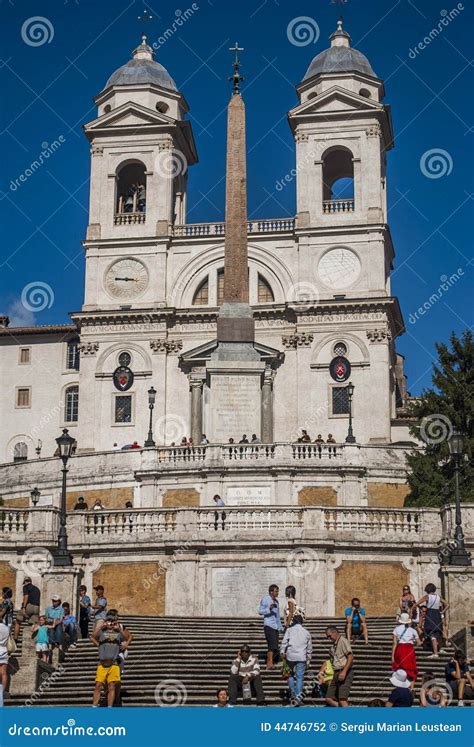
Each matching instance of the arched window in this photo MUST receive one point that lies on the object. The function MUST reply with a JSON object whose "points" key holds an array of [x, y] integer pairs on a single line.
{"points": [[265, 293], [201, 297], [71, 404], [20, 452], [338, 181], [131, 193], [72, 358]]}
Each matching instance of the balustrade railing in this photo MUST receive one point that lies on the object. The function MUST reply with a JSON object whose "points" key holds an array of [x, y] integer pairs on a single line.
{"points": [[134, 521], [250, 519], [248, 452], [317, 451], [372, 521], [271, 225], [338, 206], [179, 454], [128, 218]]}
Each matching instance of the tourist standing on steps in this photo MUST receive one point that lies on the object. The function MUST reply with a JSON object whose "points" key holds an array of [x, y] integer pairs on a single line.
{"points": [[297, 648], [30, 606], [100, 607], [270, 611], [405, 598], [107, 640], [405, 638], [292, 608], [6, 606], [433, 626], [84, 611], [245, 677], [342, 659], [40, 634]]}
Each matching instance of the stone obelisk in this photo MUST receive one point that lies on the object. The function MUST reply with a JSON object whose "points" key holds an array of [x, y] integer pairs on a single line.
{"points": [[235, 371], [235, 324]]}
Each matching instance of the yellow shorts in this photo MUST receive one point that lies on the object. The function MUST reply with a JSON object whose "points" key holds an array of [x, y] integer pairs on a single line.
{"points": [[108, 674]]}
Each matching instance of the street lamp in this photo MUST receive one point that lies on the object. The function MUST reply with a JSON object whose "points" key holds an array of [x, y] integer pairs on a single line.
{"points": [[350, 438], [61, 556], [458, 555], [35, 496], [151, 404]]}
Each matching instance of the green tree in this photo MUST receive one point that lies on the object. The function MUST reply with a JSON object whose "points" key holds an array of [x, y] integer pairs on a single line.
{"points": [[448, 404]]}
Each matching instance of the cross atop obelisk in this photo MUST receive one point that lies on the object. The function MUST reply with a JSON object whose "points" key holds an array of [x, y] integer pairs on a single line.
{"points": [[235, 323]]}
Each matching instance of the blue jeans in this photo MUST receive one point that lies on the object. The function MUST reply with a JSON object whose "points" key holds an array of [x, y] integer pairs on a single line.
{"points": [[296, 678]]}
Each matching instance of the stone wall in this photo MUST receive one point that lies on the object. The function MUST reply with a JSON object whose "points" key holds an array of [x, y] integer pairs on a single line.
{"points": [[378, 585], [180, 497], [133, 588], [387, 494], [317, 496], [7, 575]]}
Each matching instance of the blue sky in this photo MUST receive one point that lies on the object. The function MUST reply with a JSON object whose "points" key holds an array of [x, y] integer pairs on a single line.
{"points": [[48, 90]]}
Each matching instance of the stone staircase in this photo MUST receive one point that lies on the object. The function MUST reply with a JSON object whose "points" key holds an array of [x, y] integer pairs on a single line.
{"points": [[185, 660]]}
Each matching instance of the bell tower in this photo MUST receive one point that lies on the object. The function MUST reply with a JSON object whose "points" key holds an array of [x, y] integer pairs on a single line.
{"points": [[141, 149], [342, 133]]}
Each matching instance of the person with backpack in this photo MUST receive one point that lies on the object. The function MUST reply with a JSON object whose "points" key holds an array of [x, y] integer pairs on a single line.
{"points": [[108, 640], [296, 649], [405, 638], [356, 624]]}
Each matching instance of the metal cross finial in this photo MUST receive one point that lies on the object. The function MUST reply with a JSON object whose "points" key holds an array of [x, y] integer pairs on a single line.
{"points": [[146, 16], [339, 23], [236, 78]]}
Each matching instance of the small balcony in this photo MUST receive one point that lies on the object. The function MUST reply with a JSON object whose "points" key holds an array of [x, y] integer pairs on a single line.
{"points": [[123, 219], [338, 206], [272, 225]]}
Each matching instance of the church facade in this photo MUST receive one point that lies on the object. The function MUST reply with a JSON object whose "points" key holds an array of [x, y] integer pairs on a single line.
{"points": [[318, 287]]}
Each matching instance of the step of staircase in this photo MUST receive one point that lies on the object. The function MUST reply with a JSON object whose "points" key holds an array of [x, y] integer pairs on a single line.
{"points": [[191, 658]]}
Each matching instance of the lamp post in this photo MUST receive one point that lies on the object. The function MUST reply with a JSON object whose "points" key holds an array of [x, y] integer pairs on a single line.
{"points": [[458, 555], [350, 438], [35, 496], [61, 555], [151, 404]]}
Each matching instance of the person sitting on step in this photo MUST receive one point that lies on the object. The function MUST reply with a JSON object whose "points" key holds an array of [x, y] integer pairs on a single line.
{"points": [[245, 678], [356, 624]]}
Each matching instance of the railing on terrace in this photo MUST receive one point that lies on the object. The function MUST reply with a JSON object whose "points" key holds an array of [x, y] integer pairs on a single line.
{"points": [[283, 452], [373, 520], [272, 225]]}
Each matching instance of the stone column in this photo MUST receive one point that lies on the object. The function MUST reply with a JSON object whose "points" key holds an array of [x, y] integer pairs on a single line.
{"points": [[196, 410], [267, 407]]}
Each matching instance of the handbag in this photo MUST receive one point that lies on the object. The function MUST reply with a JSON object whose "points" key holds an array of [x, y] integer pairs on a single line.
{"points": [[11, 645]]}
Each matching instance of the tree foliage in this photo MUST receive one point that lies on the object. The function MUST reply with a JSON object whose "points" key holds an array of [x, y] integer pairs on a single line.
{"points": [[448, 404]]}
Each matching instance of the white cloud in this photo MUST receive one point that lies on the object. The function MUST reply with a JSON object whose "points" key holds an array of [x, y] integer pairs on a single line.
{"points": [[19, 316]]}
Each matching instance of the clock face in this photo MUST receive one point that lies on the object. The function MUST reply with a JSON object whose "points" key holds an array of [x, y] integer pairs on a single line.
{"points": [[339, 268], [127, 278]]}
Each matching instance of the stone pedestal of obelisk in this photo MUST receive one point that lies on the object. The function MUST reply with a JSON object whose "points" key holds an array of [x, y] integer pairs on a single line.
{"points": [[235, 372]]}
